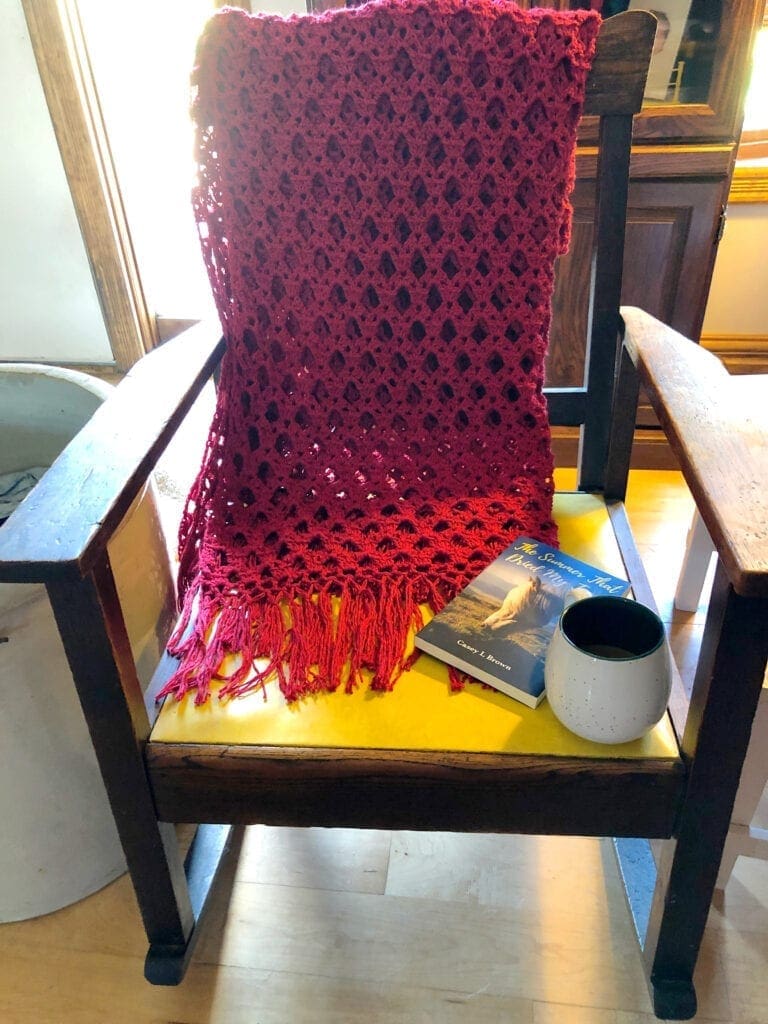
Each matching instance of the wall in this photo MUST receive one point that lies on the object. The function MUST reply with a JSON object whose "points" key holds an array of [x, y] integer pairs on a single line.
{"points": [[738, 299], [49, 303]]}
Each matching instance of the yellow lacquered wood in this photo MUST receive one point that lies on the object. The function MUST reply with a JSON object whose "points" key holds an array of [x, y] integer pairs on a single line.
{"points": [[421, 713]]}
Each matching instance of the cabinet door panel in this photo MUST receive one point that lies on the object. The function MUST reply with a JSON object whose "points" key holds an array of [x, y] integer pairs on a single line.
{"points": [[668, 259], [653, 258]]}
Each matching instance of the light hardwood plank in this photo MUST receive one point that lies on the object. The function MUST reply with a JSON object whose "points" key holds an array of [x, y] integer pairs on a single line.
{"points": [[340, 860], [745, 955], [743, 905], [558, 1013], [63, 991], [447, 945], [534, 875]]}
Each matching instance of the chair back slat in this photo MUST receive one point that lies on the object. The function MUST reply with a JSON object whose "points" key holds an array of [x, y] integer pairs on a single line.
{"points": [[614, 93], [604, 323], [617, 80]]}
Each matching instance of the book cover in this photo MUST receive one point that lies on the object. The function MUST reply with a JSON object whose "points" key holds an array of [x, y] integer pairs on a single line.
{"points": [[498, 628]]}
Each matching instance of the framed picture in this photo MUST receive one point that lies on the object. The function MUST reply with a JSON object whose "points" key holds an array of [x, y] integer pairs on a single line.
{"points": [[318, 6], [671, 17]]}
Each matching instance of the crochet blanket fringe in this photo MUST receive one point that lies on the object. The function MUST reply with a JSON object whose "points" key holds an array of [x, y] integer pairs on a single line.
{"points": [[307, 643]]}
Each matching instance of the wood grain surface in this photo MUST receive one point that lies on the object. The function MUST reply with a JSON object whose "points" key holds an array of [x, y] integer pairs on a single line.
{"points": [[717, 425]]}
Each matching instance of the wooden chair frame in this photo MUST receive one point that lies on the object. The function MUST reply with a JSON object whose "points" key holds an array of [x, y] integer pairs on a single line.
{"points": [[59, 537]]}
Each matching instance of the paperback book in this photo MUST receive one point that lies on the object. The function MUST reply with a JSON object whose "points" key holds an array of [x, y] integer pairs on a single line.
{"points": [[498, 628]]}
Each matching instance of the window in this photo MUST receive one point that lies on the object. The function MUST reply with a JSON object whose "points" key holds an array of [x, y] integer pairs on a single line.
{"points": [[128, 65], [750, 177], [141, 62], [754, 137]]}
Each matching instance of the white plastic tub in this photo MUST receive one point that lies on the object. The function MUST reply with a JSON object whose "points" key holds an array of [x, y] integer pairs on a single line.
{"points": [[58, 841]]}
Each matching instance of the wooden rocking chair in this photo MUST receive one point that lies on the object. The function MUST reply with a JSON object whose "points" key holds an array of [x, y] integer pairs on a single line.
{"points": [[417, 760]]}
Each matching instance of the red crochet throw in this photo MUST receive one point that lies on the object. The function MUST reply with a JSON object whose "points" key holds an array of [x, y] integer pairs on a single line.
{"points": [[382, 196]]}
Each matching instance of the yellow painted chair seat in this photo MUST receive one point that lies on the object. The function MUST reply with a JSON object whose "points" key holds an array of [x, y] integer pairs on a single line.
{"points": [[421, 713]]}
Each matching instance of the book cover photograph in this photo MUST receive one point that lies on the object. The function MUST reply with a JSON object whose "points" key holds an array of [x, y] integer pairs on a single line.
{"points": [[498, 628]]}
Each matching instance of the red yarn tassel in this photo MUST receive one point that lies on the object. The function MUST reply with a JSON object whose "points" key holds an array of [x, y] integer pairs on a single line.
{"points": [[309, 644]]}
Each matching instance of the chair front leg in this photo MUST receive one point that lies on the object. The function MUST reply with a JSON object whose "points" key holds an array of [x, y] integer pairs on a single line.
{"points": [[93, 632], [725, 695]]}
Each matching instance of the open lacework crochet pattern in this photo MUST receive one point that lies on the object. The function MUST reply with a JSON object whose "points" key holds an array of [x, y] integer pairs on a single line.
{"points": [[382, 196]]}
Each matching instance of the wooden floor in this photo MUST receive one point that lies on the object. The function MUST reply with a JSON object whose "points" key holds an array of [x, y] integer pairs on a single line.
{"points": [[383, 928]]}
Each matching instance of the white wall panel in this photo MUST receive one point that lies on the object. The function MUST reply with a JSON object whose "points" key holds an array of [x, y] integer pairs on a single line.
{"points": [[50, 310]]}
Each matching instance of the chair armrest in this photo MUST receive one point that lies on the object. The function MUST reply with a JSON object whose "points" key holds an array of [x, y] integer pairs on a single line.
{"points": [[67, 519], [717, 426]]}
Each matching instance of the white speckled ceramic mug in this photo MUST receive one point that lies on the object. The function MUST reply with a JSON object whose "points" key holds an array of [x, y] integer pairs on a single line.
{"points": [[607, 670]]}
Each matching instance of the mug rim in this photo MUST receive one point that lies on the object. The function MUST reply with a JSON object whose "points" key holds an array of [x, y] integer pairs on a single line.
{"points": [[624, 601]]}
